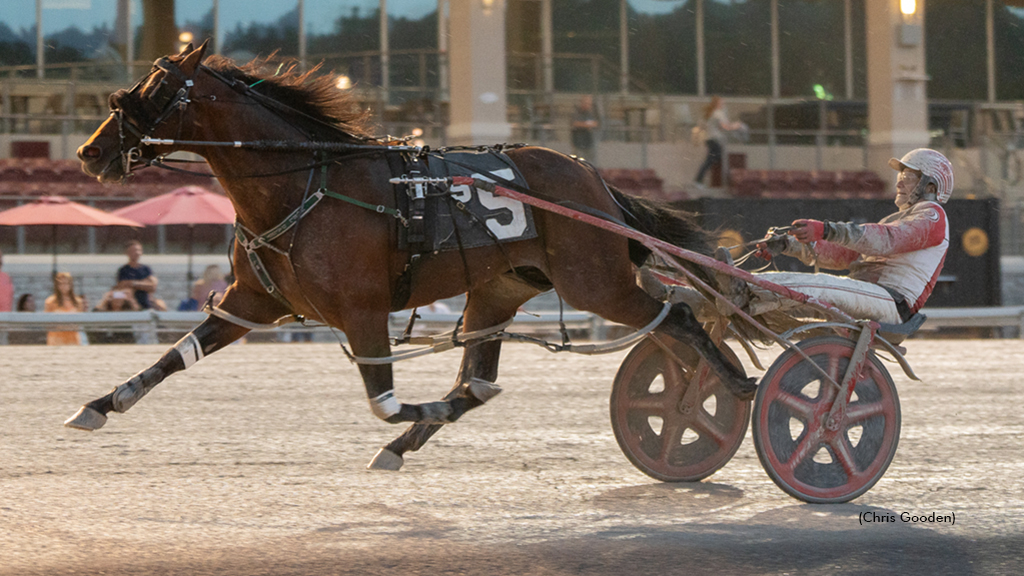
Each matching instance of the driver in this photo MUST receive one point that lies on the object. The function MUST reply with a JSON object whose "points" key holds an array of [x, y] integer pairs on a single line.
{"points": [[893, 264]]}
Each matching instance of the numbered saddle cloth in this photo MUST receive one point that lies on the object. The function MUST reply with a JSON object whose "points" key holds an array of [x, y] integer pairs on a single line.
{"points": [[491, 218]]}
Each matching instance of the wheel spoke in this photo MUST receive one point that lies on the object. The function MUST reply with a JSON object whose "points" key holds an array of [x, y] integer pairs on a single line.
{"points": [[651, 405], [859, 412], [796, 405], [707, 425], [804, 450], [674, 375], [671, 434], [841, 448], [833, 369]]}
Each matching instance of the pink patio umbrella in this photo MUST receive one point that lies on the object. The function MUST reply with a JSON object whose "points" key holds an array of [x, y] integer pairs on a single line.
{"points": [[59, 211], [188, 205]]}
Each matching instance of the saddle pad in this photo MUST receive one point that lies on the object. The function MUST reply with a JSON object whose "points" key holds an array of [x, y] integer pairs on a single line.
{"points": [[506, 219]]}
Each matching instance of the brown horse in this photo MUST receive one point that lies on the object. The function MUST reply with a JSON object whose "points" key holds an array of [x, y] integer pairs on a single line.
{"points": [[339, 262]]}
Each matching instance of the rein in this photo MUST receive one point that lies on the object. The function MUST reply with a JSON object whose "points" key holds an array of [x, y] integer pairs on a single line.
{"points": [[251, 241]]}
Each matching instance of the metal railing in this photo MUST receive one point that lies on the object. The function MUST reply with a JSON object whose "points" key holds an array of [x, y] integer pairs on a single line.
{"points": [[146, 325]]}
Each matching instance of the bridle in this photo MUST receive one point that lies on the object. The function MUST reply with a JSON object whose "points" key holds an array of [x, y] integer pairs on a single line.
{"points": [[171, 95]]}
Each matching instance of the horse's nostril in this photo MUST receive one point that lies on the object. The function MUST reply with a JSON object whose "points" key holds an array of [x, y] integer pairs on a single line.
{"points": [[90, 152]]}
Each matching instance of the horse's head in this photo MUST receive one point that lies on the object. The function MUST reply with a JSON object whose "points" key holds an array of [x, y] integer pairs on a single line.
{"points": [[145, 110]]}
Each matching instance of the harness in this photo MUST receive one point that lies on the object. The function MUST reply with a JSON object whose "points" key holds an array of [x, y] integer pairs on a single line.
{"points": [[161, 105]]}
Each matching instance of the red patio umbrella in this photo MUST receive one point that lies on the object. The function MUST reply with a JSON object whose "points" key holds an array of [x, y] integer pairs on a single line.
{"points": [[188, 205], [59, 211]]}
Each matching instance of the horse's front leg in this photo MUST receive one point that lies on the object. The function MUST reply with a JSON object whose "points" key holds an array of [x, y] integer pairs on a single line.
{"points": [[210, 336]]}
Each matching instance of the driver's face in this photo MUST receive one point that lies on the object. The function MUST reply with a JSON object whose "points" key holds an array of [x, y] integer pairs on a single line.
{"points": [[906, 182]]}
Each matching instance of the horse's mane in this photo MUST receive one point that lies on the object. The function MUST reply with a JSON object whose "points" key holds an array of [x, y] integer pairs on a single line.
{"points": [[312, 93]]}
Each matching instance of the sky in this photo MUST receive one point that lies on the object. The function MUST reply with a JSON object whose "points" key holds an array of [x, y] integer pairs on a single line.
{"points": [[320, 14]]}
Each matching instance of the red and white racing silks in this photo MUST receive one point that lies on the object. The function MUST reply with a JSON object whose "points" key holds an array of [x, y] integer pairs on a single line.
{"points": [[904, 252]]}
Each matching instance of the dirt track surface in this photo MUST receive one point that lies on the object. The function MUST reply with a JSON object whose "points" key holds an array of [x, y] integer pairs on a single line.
{"points": [[253, 462]]}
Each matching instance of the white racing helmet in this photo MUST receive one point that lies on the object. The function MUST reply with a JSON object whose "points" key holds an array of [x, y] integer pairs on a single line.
{"points": [[934, 168]]}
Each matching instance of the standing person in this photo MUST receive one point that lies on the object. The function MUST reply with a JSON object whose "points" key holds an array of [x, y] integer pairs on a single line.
{"points": [[6, 288], [63, 299], [583, 124], [716, 124], [138, 278]]}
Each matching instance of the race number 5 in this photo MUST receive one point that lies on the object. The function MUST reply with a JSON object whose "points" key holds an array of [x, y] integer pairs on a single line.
{"points": [[513, 229]]}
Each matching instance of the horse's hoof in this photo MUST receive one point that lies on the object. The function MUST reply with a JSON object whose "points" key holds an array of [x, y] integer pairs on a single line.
{"points": [[385, 460], [86, 419], [483, 390]]}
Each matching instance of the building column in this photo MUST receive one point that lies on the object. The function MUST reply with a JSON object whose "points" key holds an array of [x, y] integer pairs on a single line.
{"points": [[547, 47], [479, 109], [897, 83]]}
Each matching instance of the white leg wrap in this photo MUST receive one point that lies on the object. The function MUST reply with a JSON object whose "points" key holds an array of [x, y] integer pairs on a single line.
{"points": [[385, 405], [189, 349]]}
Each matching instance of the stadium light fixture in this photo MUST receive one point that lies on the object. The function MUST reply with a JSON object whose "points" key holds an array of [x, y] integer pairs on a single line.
{"points": [[911, 30]]}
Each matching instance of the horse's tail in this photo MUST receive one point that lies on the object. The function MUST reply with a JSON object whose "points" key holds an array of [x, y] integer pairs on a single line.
{"points": [[662, 221]]}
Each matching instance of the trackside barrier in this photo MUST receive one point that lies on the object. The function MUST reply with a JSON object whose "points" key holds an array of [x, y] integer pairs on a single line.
{"points": [[996, 317], [147, 324]]}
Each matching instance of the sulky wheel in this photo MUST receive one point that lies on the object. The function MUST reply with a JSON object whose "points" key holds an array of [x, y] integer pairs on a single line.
{"points": [[806, 459], [653, 426]]}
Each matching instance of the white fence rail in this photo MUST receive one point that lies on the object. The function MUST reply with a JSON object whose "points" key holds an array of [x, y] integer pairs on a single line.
{"points": [[147, 324]]}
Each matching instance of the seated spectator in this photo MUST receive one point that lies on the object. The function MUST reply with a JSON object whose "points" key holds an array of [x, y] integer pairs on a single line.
{"points": [[26, 303], [212, 281], [117, 301], [63, 300], [139, 279]]}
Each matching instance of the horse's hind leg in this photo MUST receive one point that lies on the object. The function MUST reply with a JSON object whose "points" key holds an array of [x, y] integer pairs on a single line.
{"points": [[488, 306], [210, 336], [612, 293]]}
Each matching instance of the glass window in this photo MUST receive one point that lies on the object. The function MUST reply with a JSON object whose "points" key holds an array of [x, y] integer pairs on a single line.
{"points": [[662, 46], [812, 54], [523, 45], [194, 19], [858, 29], [345, 36], [412, 39], [586, 45], [250, 30], [955, 49], [73, 31], [1009, 39], [737, 40]]}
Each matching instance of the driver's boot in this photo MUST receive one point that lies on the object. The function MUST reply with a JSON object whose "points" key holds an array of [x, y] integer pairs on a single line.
{"points": [[731, 287]]}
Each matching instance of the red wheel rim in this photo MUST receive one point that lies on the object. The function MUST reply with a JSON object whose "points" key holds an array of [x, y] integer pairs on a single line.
{"points": [[659, 438], [802, 456]]}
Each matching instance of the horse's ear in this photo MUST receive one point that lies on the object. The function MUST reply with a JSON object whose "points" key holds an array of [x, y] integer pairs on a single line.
{"points": [[192, 60], [185, 49]]}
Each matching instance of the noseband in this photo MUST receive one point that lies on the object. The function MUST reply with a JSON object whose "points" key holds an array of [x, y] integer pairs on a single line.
{"points": [[142, 117]]}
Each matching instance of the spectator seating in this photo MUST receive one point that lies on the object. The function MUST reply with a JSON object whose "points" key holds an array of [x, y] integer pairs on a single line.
{"points": [[26, 178], [824, 184], [636, 182]]}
